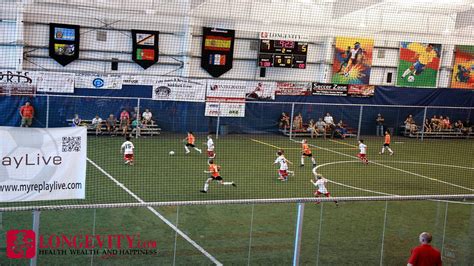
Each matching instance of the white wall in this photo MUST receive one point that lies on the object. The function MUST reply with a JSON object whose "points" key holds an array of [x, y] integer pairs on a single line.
{"points": [[320, 22]]}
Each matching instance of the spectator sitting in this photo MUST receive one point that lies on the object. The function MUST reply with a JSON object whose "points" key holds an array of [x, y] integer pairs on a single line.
{"points": [[312, 128], [298, 122], [146, 117], [467, 127], [321, 127], [284, 121], [76, 121], [97, 124], [447, 123], [111, 124], [410, 124], [27, 112], [341, 130], [427, 126], [434, 123], [136, 127], [441, 124], [124, 121]]}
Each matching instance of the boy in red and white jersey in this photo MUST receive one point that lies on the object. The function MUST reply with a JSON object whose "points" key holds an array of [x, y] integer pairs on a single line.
{"points": [[283, 170], [127, 149], [362, 152]]}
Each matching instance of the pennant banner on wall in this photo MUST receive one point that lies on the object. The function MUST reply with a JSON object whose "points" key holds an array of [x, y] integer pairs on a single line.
{"points": [[419, 64], [217, 50], [352, 60], [64, 43], [463, 70], [145, 47], [179, 89]]}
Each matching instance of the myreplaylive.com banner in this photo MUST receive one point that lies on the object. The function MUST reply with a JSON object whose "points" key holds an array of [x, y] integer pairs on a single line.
{"points": [[42, 164]]}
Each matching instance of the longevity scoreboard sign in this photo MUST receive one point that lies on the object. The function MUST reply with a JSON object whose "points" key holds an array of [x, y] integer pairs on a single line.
{"points": [[282, 50], [217, 53], [64, 43], [42, 163]]}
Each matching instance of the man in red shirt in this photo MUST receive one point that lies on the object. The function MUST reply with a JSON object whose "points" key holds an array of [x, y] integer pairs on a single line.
{"points": [[425, 254], [27, 112]]}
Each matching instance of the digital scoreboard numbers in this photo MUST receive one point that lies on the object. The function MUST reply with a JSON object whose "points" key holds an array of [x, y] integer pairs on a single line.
{"points": [[282, 52]]}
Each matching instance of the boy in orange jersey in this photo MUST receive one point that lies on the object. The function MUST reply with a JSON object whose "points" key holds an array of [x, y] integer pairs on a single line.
{"points": [[214, 171], [306, 152], [386, 144], [190, 139]]}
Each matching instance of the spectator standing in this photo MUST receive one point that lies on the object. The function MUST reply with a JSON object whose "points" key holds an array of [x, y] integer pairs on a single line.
{"points": [[425, 254], [298, 122], [96, 124], [379, 121], [146, 117], [124, 121], [330, 126], [27, 113]]}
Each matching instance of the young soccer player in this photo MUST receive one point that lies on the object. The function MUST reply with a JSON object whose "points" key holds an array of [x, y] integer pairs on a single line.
{"points": [[386, 144], [363, 152], [127, 150], [321, 185], [306, 152], [283, 171], [210, 148], [190, 139], [214, 171]]}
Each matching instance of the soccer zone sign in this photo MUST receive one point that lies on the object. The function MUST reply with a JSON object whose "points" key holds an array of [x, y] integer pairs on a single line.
{"points": [[42, 164]]}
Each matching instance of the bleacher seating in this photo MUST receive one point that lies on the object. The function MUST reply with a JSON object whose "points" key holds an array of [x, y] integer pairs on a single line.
{"points": [[443, 133], [149, 130], [305, 133]]}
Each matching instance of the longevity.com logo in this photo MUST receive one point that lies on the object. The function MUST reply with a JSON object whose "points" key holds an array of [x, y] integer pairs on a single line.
{"points": [[21, 244]]}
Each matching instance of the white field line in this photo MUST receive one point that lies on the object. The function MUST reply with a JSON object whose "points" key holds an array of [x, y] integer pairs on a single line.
{"points": [[397, 169], [192, 242]]}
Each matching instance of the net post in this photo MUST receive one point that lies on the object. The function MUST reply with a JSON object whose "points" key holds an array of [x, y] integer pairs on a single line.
{"points": [[423, 124], [218, 121], [360, 121], [36, 225], [298, 234], [291, 119], [47, 111], [138, 118]]}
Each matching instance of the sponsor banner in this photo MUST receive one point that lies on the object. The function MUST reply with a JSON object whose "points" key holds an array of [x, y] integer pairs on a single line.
{"points": [[16, 77], [293, 88], [64, 43], [109, 82], [179, 89], [352, 60], [283, 36], [361, 90], [250, 90], [329, 89], [140, 80], [222, 107], [54, 82], [419, 64], [260, 91], [42, 163], [17, 89], [145, 47], [463, 69], [217, 50]]}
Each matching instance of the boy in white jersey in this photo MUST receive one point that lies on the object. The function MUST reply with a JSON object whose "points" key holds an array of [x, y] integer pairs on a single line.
{"points": [[283, 171], [210, 148], [363, 152], [127, 150], [321, 185]]}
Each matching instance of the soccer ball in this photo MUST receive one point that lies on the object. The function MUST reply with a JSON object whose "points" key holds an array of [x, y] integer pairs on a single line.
{"points": [[171, 153], [411, 78]]}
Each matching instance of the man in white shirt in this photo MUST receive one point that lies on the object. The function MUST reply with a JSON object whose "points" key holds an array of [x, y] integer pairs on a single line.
{"points": [[321, 187], [210, 148], [362, 152], [127, 149], [330, 126], [96, 124], [147, 115], [283, 171]]}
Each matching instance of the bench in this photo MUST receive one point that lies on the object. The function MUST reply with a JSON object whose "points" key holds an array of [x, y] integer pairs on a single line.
{"points": [[148, 130], [305, 133], [443, 133]]}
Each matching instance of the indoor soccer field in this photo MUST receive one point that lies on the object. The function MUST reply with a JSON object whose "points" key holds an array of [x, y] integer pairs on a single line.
{"points": [[261, 233]]}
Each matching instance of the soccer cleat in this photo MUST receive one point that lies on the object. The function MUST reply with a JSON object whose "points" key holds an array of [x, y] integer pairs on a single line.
{"points": [[233, 184], [301, 165], [203, 191], [391, 153]]}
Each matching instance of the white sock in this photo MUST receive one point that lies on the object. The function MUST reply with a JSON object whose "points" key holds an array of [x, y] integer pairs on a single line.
{"points": [[390, 150], [383, 149], [302, 160], [186, 148], [408, 71], [206, 186], [227, 183], [313, 160]]}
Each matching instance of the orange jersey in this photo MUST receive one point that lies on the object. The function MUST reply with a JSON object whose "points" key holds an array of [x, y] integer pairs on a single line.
{"points": [[191, 139], [387, 139], [306, 149], [214, 169]]}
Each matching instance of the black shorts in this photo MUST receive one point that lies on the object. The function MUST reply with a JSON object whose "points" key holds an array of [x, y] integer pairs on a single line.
{"points": [[308, 154], [386, 144], [217, 178], [190, 145]]}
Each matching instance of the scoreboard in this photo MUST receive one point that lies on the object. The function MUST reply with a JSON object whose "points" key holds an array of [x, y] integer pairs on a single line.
{"points": [[282, 53]]}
